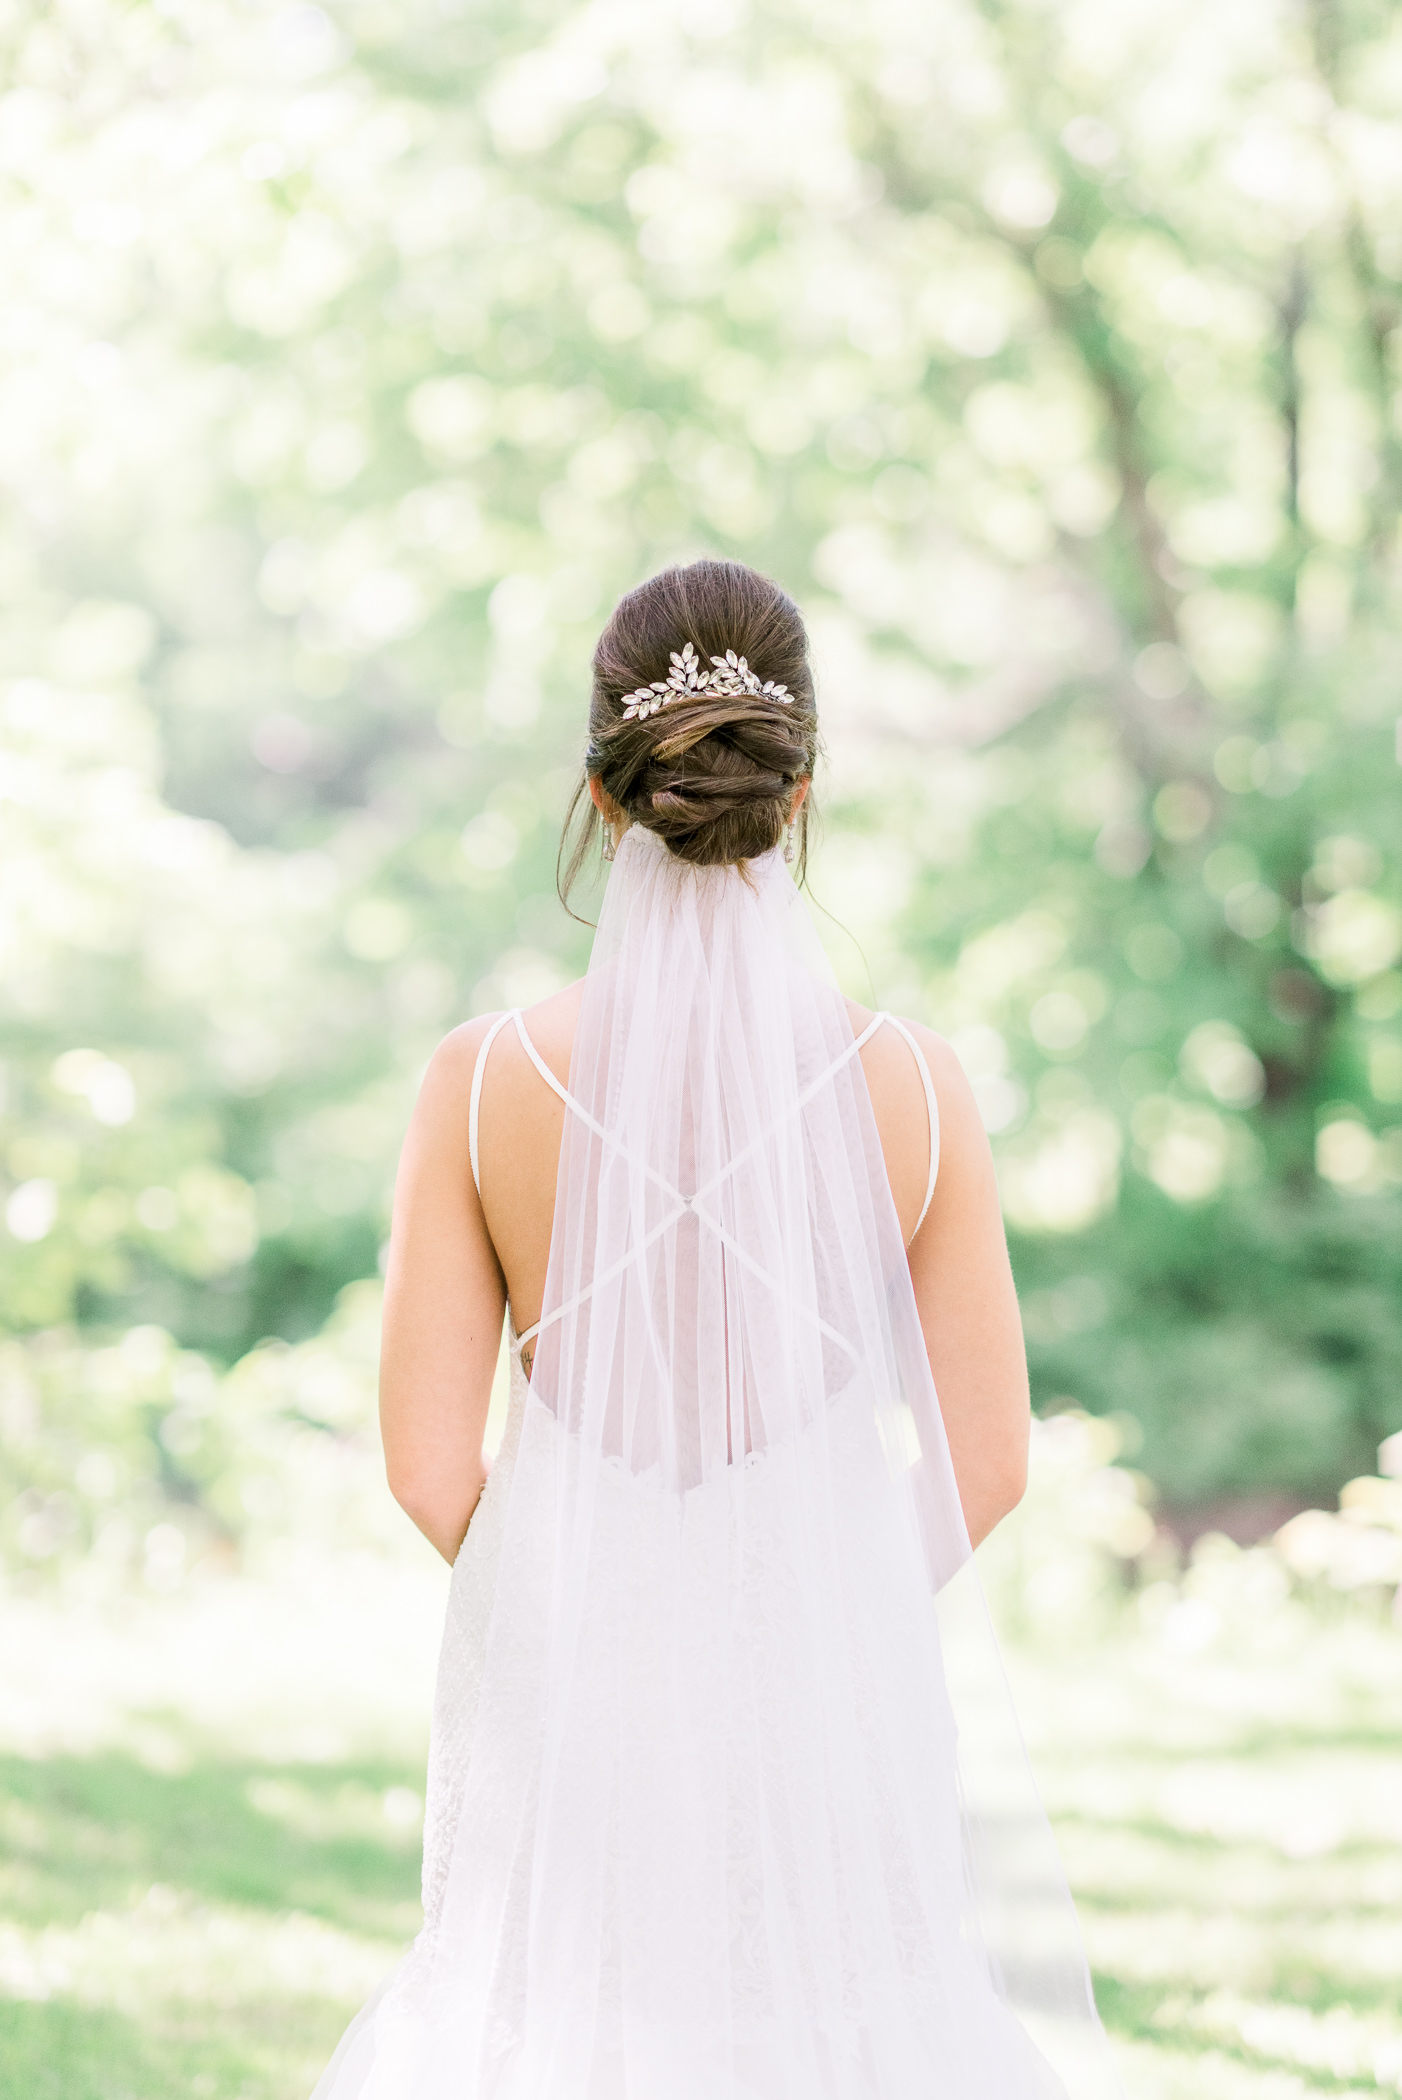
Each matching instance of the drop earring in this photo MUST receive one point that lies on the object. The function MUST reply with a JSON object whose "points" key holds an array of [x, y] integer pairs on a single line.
{"points": [[610, 844], [788, 841]]}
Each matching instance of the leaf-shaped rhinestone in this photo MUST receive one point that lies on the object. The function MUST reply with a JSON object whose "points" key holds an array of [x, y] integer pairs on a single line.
{"points": [[729, 679]]}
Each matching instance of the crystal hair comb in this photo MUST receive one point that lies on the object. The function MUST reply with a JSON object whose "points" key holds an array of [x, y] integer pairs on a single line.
{"points": [[729, 679]]}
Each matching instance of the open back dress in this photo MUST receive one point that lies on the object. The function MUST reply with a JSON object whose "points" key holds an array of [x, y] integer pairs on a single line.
{"points": [[702, 1820]]}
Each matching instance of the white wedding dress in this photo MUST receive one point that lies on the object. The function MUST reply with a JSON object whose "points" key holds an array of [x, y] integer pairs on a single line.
{"points": [[700, 1824]]}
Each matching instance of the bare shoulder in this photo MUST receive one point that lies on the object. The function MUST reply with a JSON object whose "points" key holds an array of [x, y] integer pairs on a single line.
{"points": [[550, 1023], [951, 1082], [961, 1125], [449, 1071], [439, 1125], [898, 1093], [889, 1052]]}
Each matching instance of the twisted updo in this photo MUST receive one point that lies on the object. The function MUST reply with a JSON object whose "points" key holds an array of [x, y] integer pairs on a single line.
{"points": [[714, 777]]}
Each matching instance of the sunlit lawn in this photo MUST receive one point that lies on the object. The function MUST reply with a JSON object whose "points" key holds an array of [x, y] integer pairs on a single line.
{"points": [[1233, 1830], [197, 1932], [198, 1889]]}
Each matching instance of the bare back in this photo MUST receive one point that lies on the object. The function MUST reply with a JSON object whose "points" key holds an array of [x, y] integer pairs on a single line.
{"points": [[457, 1259], [521, 1126]]}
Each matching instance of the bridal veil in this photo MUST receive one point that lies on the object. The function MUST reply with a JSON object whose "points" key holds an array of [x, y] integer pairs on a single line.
{"points": [[742, 1813]]}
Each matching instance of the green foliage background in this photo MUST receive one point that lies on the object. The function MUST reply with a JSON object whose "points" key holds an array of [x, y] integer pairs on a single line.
{"points": [[351, 364]]}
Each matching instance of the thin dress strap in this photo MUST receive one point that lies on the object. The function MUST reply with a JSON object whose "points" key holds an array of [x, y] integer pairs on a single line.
{"points": [[564, 1093], [474, 1103], [932, 1109]]}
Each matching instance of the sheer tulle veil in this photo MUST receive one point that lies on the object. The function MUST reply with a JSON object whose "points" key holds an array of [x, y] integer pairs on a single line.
{"points": [[745, 1814]]}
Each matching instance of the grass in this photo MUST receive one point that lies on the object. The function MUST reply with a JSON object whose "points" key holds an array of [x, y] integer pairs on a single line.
{"points": [[198, 1889], [1231, 1821], [86, 1832], [196, 1932]]}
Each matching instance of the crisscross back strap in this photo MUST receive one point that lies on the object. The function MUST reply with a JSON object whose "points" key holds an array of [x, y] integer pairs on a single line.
{"points": [[689, 1203], [542, 1067]]}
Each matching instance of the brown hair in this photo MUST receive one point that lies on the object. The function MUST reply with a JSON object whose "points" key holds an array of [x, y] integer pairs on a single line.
{"points": [[714, 777]]}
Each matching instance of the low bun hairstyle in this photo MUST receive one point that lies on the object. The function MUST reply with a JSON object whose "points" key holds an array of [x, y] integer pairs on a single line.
{"points": [[712, 776]]}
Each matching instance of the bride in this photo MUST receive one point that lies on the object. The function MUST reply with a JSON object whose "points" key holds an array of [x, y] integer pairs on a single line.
{"points": [[700, 1824]]}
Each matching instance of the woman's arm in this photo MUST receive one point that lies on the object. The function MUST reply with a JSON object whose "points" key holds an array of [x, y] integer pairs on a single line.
{"points": [[968, 1307], [444, 1302]]}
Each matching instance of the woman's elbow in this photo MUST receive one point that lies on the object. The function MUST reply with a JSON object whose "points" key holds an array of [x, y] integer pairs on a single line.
{"points": [[440, 1508], [1000, 1488], [409, 1488]]}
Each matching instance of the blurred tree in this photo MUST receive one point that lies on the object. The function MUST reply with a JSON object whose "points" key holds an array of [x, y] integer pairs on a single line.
{"points": [[354, 361]]}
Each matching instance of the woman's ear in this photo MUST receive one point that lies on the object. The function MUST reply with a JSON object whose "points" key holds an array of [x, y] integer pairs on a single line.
{"points": [[800, 796], [604, 803]]}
